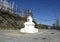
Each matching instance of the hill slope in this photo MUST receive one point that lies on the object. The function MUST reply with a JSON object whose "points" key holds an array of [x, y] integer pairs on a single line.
{"points": [[11, 21]]}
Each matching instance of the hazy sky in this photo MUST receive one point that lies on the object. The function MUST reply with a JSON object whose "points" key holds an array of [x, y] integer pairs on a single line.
{"points": [[44, 11]]}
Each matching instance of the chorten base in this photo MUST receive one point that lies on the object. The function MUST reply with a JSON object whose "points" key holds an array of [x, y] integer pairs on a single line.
{"points": [[33, 30]]}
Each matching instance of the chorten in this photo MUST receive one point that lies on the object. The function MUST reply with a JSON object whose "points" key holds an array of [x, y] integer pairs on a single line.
{"points": [[29, 26]]}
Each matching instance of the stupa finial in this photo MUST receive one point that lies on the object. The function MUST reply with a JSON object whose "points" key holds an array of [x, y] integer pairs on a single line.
{"points": [[29, 13]]}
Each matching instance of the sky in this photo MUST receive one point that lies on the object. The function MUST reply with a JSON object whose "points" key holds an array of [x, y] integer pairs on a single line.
{"points": [[44, 11]]}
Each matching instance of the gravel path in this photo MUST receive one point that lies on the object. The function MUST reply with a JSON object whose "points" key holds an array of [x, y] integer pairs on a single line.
{"points": [[42, 36]]}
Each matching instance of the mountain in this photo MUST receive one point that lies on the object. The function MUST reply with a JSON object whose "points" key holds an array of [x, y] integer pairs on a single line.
{"points": [[11, 21]]}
